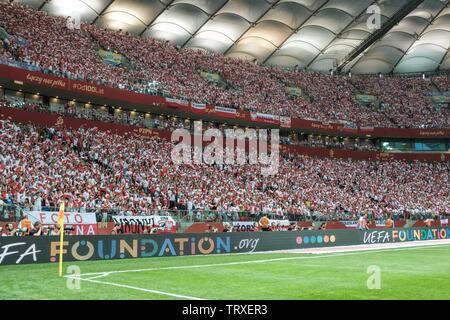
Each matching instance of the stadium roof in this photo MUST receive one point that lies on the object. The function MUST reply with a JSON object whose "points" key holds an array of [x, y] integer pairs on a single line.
{"points": [[313, 34]]}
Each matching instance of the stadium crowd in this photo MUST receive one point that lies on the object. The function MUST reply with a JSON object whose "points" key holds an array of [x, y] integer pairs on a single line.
{"points": [[334, 143], [135, 175], [168, 123], [442, 83], [71, 52], [403, 100]]}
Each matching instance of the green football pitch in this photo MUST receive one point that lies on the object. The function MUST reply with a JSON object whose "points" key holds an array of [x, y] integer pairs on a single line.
{"points": [[404, 273]]}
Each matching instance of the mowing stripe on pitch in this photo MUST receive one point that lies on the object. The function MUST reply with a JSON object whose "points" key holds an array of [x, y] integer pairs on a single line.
{"points": [[319, 256]]}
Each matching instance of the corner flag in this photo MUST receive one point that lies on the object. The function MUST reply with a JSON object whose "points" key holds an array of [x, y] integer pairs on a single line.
{"points": [[61, 236]]}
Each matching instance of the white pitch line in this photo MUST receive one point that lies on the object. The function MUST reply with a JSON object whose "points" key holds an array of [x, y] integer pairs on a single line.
{"points": [[365, 250], [90, 278], [140, 289]]}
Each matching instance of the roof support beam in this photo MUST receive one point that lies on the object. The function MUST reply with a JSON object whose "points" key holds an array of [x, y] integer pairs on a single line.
{"points": [[42, 5], [339, 34], [418, 37], [442, 61], [448, 51], [156, 17], [388, 25], [102, 12]]}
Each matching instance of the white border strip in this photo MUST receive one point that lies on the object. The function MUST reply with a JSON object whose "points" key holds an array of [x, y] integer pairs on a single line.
{"points": [[352, 250]]}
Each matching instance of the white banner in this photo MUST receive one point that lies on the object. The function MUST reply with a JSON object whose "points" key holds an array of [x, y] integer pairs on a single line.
{"points": [[285, 122], [82, 223], [225, 110], [137, 224], [350, 224], [354, 224], [178, 101], [267, 116], [70, 218], [244, 226], [200, 106], [248, 226]]}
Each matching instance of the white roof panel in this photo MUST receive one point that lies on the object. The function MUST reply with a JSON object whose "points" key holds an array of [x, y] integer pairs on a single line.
{"points": [[309, 33]]}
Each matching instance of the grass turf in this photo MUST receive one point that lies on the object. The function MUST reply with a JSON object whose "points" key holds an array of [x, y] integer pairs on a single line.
{"points": [[412, 273]]}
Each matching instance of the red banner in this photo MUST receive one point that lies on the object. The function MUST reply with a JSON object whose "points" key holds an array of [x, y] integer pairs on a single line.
{"points": [[91, 91], [49, 120], [363, 155], [88, 89]]}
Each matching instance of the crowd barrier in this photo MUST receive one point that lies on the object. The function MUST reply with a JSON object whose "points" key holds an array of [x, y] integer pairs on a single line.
{"points": [[27, 250]]}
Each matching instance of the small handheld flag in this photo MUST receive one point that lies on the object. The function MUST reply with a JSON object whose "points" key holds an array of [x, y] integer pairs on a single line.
{"points": [[61, 236]]}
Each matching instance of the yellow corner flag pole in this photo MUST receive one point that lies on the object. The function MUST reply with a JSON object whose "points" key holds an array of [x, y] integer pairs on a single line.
{"points": [[61, 236]]}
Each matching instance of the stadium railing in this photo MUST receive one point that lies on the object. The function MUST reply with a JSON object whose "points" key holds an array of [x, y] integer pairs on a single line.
{"points": [[14, 212]]}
